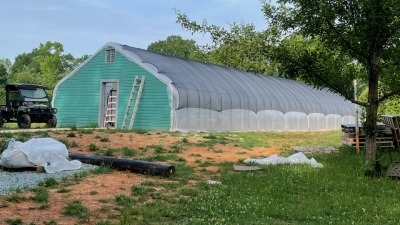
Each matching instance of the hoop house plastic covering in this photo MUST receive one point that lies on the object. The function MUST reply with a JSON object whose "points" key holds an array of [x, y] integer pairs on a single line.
{"points": [[216, 98]]}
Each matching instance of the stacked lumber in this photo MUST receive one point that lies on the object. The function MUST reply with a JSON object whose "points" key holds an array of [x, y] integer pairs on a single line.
{"points": [[384, 136], [394, 123]]}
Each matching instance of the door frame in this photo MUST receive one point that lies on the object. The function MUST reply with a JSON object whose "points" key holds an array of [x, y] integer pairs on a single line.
{"points": [[102, 100]]}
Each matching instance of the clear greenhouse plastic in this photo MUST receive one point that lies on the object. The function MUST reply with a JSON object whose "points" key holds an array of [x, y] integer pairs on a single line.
{"points": [[216, 98]]}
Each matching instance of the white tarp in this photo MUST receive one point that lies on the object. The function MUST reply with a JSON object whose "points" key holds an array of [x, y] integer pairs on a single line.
{"points": [[46, 152], [297, 158]]}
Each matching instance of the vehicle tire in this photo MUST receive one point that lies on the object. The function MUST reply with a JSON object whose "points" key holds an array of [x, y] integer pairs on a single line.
{"points": [[24, 121], [1, 120], [52, 122]]}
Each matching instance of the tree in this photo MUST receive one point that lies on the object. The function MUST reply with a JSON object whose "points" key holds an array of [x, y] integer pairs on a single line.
{"points": [[45, 65], [367, 32], [241, 47], [175, 45], [3, 81], [6, 63]]}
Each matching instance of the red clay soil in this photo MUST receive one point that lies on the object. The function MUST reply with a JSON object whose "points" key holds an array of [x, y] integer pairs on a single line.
{"points": [[94, 191]]}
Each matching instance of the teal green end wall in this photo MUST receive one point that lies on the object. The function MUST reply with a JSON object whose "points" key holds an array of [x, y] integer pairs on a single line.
{"points": [[78, 98]]}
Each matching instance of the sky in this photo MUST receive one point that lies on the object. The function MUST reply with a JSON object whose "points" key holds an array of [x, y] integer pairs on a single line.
{"points": [[85, 26]]}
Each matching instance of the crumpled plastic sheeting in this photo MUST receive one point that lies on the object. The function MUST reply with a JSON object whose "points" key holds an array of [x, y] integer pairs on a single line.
{"points": [[46, 152], [297, 158]]}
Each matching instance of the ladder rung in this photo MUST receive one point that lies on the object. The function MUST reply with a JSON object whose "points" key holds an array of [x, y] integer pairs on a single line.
{"points": [[137, 84]]}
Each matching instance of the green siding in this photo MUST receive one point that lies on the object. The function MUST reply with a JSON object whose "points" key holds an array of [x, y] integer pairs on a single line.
{"points": [[78, 97]]}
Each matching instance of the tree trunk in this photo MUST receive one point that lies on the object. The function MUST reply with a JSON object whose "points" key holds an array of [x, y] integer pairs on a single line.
{"points": [[372, 111]]}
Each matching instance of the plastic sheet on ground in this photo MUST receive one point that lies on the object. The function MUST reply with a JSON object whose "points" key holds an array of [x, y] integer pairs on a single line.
{"points": [[297, 158], [49, 153]]}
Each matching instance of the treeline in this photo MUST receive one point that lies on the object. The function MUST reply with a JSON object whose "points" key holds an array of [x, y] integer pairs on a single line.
{"points": [[45, 65]]}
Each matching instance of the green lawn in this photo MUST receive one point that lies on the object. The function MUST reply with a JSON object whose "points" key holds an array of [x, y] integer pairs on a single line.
{"points": [[338, 193]]}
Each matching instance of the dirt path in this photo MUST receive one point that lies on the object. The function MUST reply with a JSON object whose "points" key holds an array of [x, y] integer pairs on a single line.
{"points": [[97, 192]]}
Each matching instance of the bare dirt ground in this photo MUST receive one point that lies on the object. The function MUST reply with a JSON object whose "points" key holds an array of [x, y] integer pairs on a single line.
{"points": [[94, 191]]}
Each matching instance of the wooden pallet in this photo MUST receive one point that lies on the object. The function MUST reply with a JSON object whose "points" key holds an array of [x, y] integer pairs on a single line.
{"points": [[38, 169]]}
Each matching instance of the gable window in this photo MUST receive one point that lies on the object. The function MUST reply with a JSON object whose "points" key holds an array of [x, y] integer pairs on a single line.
{"points": [[110, 55]]}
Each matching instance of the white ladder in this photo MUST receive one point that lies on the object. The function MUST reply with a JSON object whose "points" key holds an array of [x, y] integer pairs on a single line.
{"points": [[111, 111], [138, 84]]}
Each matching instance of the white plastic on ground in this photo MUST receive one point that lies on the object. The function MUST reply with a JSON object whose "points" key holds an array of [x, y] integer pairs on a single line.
{"points": [[297, 158], [46, 152]]}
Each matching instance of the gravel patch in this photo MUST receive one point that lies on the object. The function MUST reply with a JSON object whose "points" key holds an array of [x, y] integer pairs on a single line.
{"points": [[11, 181]]}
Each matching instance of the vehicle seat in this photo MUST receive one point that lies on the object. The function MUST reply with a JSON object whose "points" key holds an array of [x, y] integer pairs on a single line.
{"points": [[15, 103]]}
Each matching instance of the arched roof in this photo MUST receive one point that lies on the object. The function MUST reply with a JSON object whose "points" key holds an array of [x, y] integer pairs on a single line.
{"points": [[209, 86]]}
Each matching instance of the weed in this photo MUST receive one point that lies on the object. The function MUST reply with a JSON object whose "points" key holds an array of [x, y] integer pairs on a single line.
{"points": [[74, 144], [176, 147], [148, 183], [76, 209], [180, 159], [104, 139], [103, 169], [103, 200], [74, 128], [218, 151], [160, 157], [45, 205], [210, 136], [158, 149], [128, 152], [71, 135], [3, 204], [108, 152], [140, 131], [104, 222], [14, 221], [185, 140], [93, 147], [141, 190], [65, 142], [85, 131], [189, 192], [124, 200], [93, 192], [63, 190], [49, 182], [15, 198], [41, 195], [206, 164], [24, 136], [50, 222], [7, 135]]}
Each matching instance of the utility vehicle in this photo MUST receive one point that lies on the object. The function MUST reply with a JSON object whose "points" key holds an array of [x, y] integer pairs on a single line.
{"points": [[26, 104]]}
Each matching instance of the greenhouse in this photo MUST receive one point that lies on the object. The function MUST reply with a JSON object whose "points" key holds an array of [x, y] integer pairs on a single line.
{"points": [[179, 94]]}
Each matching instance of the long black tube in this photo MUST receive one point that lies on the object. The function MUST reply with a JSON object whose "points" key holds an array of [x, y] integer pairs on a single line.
{"points": [[137, 166]]}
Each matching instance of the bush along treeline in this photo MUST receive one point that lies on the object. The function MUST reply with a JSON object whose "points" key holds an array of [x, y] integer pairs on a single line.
{"points": [[45, 65]]}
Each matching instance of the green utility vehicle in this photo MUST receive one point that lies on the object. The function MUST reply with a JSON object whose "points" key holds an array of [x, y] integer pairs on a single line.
{"points": [[26, 104]]}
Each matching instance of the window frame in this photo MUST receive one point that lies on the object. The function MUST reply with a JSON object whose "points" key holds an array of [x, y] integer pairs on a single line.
{"points": [[110, 55]]}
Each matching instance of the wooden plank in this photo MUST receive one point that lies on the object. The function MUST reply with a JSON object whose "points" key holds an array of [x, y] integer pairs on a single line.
{"points": [[246, 168]]}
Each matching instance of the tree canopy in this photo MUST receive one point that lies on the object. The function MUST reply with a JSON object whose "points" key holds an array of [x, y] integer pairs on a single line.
{"points": [[175, 45], [366, 33], [241, 47], [44, 65]]}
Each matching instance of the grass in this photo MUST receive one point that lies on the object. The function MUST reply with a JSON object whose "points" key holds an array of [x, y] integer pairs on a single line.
{"points": [[14, 221], [42, 195], [297, 194], [76, 209], [339, 193]]}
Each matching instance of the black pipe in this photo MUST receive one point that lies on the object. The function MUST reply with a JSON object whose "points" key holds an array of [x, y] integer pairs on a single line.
{"points": [[137, 166]]}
